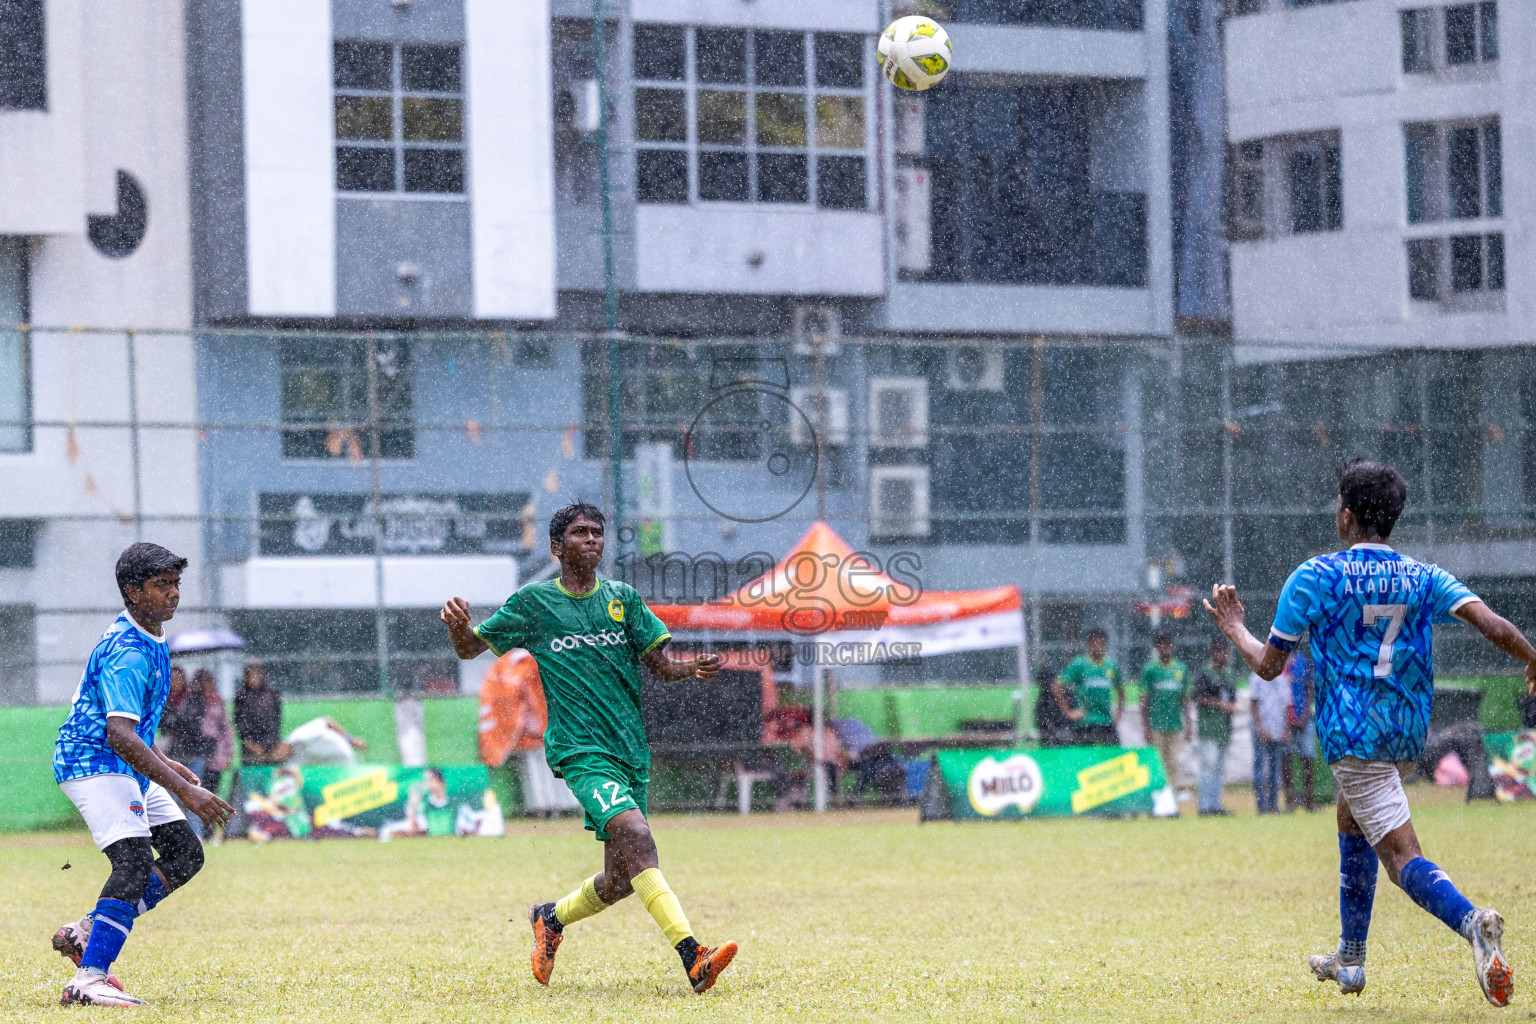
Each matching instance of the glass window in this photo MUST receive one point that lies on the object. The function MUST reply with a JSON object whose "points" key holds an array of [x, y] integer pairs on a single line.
{"points": [[764, 105], [1460, 34], [661, 53], [23, 55], [1424, 269], [325, 399], [1493, 169], [1306, 191], [1495, 244], [1467, 263], [661, 176], [1464, 177], [721, 55], [1417, 25], [399, 118], [1488, 25], [780, 58], [839, 60], [15, 374]]}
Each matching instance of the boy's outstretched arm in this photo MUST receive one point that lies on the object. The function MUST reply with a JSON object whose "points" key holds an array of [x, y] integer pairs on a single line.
{"points": [[1502, 634], [1229, 613]]}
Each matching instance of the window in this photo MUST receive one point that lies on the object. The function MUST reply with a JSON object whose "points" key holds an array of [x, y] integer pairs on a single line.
{"points": [[1440, 38], [15, 371], [1316, 184], [1456, 268], [898, 501], [1009, 194], [1454, 170], [898, 412], [325, 400], [399, 118], [23, 57], [739, 116], [1291, 184], [18, 543]]}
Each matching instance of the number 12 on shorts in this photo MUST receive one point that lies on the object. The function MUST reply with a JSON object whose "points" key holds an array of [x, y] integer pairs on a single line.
{"points": [[614, 796], [1394, 614]]}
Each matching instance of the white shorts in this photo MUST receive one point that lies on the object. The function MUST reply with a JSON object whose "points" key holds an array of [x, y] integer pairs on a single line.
{"points": [[1373, 792], [115, 808]]}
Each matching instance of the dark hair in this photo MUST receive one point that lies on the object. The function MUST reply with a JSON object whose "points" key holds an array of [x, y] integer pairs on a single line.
{"points": [[434, 773], [1218, 643], [1097, 633], [1162, 636], [142, 562], [568, 515], [1375, 493]]}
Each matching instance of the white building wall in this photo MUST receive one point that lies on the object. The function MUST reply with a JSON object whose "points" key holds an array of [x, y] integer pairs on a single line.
{"points": [[116, 87], [1339, 67]]}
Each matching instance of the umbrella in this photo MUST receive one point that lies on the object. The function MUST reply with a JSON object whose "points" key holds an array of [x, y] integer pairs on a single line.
{"points": [[201, 641]]}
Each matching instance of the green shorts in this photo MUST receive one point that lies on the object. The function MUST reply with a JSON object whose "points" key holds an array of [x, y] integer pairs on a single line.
{"points": [[605, 787]]}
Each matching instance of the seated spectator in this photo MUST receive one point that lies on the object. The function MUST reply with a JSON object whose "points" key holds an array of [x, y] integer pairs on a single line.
{"points": [[323, 741]]}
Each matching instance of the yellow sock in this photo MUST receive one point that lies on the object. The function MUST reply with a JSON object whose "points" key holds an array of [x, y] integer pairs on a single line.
{"points": [[662, 905], [581, 904]]}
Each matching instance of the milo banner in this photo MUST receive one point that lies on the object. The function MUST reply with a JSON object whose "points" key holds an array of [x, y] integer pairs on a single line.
{"points": [[1045, 782], [1512, 764], [370, 801]]}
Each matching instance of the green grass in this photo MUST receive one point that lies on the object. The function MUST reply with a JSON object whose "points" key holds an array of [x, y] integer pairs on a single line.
{"points": [[855, 917]]}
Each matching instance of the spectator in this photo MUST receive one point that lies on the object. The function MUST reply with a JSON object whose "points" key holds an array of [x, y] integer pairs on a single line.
{"points": [[259, 726], [1216, 703], [1164, 696], [1269, 699], [1303, 742], [259, 719], [182, 732], [215, 726], [1091, 677], [172, 721]]}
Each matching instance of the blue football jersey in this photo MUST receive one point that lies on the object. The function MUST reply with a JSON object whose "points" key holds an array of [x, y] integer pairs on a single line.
{"points": [[128, 675], [1370, 612]]}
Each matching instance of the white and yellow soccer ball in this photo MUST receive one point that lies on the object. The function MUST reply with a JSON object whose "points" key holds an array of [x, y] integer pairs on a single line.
{"points": [[914, 53]]}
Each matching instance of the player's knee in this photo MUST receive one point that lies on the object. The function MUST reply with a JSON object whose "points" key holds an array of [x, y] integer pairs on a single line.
{"points": [[181, 852], [132, 861]]}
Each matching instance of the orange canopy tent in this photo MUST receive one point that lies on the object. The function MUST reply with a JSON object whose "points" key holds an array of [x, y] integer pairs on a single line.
{"points": [[824, 590]]}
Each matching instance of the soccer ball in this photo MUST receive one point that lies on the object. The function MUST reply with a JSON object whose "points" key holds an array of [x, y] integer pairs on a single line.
{"points": [[914, 53]]}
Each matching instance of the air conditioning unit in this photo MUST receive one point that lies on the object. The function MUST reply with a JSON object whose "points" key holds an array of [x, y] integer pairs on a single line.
{"points": [[898, 412], [835, 413], [583, 105], [818, 323], [975, 368], [914, 220], [898, 501]]}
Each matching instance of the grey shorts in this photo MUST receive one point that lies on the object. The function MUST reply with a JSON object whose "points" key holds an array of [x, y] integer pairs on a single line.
{"points": [[1373, 792]]}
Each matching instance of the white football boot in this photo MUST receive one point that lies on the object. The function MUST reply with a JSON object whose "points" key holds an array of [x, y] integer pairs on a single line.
{"points": [[1329, 967], [1493, 973], [87, 988], [70, 941]]}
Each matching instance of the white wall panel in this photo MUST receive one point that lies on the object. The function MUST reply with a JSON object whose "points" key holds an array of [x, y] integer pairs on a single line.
{"points": [[800, 15], [511, 158], [757, 250], [289, 157], [42, 152]]}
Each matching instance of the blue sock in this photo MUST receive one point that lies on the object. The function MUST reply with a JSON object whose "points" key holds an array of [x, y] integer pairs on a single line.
{"points": [[154, 892], [112, 921], [1357, 891], [1433, 890]]}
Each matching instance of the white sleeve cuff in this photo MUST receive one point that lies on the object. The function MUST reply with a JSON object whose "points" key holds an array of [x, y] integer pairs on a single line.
{"points": [[1283, 636], [124, 714], [1469, 599]]}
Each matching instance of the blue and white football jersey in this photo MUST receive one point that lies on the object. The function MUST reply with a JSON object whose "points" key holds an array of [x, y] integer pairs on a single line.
{"points": [[128, 675], [1369, 610]]}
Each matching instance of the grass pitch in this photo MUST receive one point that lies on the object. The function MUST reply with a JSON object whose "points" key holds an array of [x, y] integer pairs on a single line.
{"points": [[855, 917]]}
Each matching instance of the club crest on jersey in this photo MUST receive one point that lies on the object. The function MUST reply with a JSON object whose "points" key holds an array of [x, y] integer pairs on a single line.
{"points": [[616, 610], [136, 808]]}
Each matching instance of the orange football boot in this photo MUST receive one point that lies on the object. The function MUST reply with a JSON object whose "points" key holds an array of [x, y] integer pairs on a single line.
{"points": [[547, 937], [709, 963]]}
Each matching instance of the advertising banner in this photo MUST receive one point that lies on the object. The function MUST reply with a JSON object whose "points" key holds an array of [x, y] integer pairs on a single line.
{"points": [[1512, 764], [1042, 782], [370, 801]]}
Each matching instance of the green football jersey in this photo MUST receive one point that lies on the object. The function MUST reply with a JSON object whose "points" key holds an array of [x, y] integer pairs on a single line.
{"points": [[1093, 683], [1166, 687], [588, 648]]}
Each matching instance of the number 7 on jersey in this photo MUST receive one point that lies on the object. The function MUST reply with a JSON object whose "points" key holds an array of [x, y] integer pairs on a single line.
{"points": [[1394, 614]]}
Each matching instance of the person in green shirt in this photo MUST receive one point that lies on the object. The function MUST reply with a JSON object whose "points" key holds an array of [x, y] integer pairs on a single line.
{"points": [[589, 637], [1216, 701], [1091, 678], [1164, 695]]}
